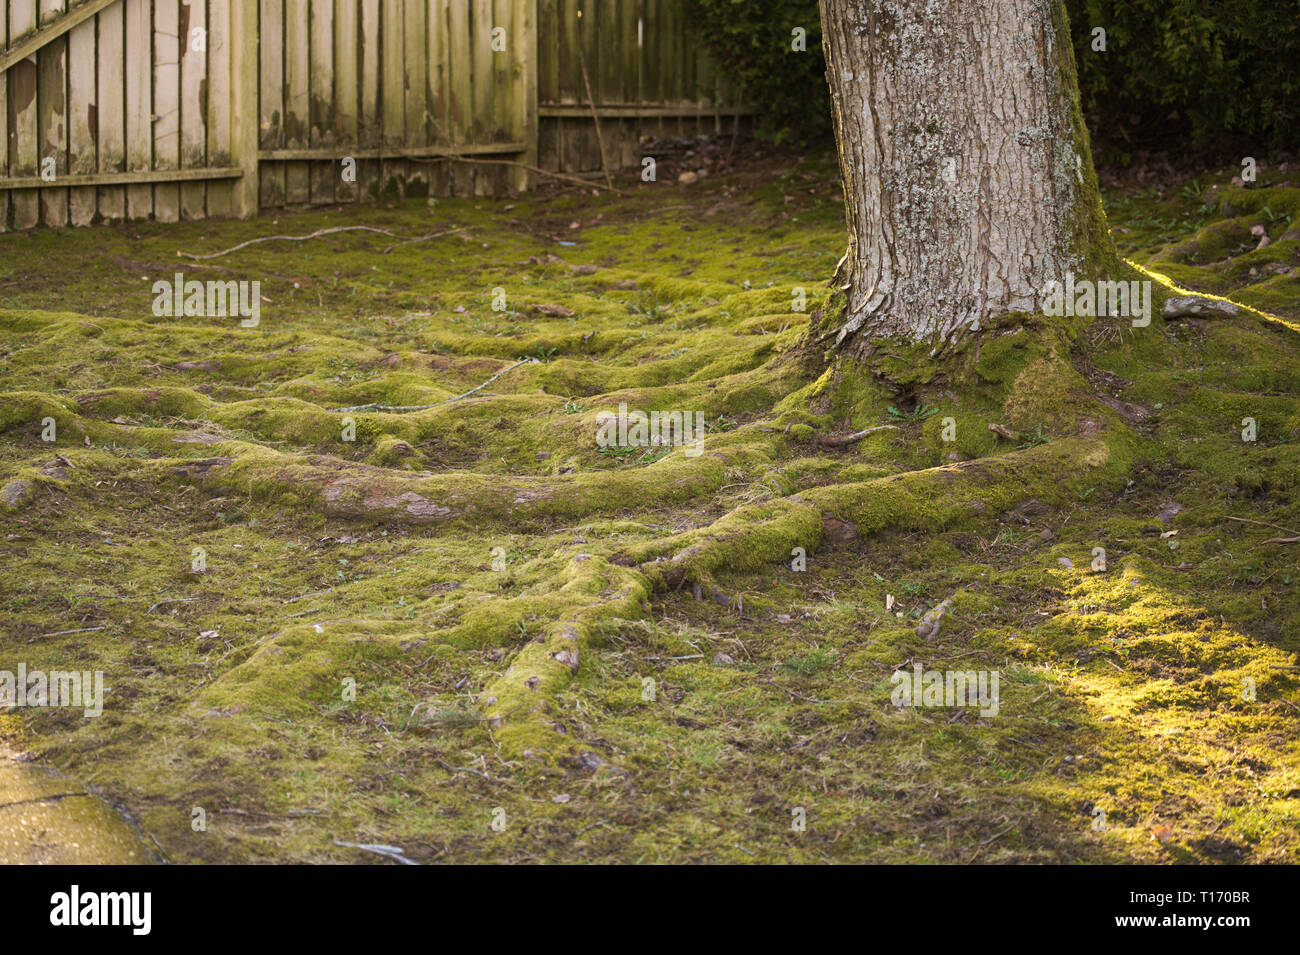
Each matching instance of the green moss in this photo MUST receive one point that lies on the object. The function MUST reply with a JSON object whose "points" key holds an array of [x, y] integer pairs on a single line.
{"points": [[449, 559]]}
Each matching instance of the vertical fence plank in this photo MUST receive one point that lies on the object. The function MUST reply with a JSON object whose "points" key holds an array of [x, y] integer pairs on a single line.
{"points": [[193, 116], [4, 121], [415, 80], [139, 104], [392, 98], [323, 174], [649, 68], [629, 68], [370, 121], [167, 112], [221, 195], [52, 114], [436, 92], [244, 133], [110, 134], [271, 97], [25, 157], [670, 65], [297, 98], [546, 42], [461, 106], [480, 124], [345, 90], [504, 63], [567, 136], [82, 121], [526, 119], [589, 37]]}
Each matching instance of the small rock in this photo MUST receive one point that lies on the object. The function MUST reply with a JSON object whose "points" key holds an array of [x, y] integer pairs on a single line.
{"points": [[722, 659], [841, 532], [569, 657], [1168, 511], [688, 178], [1065, 562], [1197, 306], [16, 493]]}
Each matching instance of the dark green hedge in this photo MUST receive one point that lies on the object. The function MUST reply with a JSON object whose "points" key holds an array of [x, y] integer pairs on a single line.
{"points": [[751, 39], [1205, 74]]}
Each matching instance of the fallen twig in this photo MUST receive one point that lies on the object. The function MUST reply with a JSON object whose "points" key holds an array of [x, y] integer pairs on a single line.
{"points": [[291, 238], [375, 407], [1247, 520], [832, 442], [389, 852], [462, 769], [173, 600], [445, 401], [424, 238], [61, 633], [318, 593], [524, 361]]}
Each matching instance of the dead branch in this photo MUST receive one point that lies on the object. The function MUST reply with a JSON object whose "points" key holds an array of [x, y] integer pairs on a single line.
{"points": [[833, 442], [291, 238], [445, 401]]}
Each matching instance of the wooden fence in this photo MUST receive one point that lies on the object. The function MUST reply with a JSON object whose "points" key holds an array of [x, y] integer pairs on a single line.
{"points": [[649, 75], [181, 109]]}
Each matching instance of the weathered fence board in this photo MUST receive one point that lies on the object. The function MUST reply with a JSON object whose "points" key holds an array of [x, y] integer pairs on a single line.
{"points": [[181, 109]]}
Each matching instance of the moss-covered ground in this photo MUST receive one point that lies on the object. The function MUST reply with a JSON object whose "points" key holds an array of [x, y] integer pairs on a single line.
{"points": [[474, 634]]}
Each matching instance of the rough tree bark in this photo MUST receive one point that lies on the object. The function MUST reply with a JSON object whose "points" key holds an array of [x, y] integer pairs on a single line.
{"points": [[968, 179]]}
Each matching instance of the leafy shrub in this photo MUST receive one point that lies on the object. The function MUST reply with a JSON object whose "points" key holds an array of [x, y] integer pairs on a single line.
{"points": [[1209, 73], [752, 41]]}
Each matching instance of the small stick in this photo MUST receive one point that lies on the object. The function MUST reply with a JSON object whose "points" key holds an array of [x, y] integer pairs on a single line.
{"points": [[524, 361], [462, 769], [386, 408], [291, 238], [389, 852], [1247, 520], [423, 238], [173, 600], [294, 600], [830, 442], [445, 401], [61, 633]]}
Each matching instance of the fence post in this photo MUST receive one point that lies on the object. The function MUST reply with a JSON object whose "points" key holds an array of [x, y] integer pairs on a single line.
{"points": [[244, 108], [528, 104]]}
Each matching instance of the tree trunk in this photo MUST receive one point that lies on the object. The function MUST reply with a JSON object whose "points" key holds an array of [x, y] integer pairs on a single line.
{"points": [[968, 180]]}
